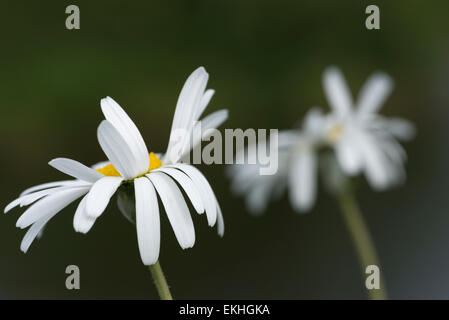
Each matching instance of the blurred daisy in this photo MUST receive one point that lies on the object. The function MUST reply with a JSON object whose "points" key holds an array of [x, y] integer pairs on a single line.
{"points": [[132, 167], [351, 139], [362, 141]]}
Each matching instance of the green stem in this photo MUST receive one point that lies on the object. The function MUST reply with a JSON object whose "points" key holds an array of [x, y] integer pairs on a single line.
{"points": [[160, 281], [361, 237]]}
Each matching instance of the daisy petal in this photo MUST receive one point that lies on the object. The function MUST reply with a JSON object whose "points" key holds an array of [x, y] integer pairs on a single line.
{"points": [[127, 129], [337, 91], [303, 179], [374, 93], [46, 185], [175, 207], [376, 166], [100, 194], [400, 128], [12, 204], [220, 220], [75, 169], [82, 222], [206, 192], [207, 96], [118, 151], [189, 99], [147, 221], [187, 185], [288, 138], [34, 232], [258, 196], [50, 206], [314, 122], [32, 197], [212, 121], [348, 154]]}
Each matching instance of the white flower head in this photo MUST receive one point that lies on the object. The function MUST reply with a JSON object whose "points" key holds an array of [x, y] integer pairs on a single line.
{"points": [[363, 140], [360, 139], [131, 165]]}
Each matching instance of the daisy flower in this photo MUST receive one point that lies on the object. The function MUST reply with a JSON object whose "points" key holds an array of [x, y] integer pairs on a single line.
{"points": [[351, 139], [362, 141], [135, 171]]}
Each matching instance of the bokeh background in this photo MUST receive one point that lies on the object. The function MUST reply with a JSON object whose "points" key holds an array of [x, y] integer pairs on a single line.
{"points": [[265, 61]]}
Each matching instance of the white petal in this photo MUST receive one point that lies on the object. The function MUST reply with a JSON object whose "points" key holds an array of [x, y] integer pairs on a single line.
{"points": [[46, 185], [41, 232], [393, 149], [244, 177], [32, 197], [147, 221], [302, 179], [348, 154], [207, 194], [29, 198], [400, 128], [82, 222], [100, 194], [33, 232], [75, 169], [212, 121], [12, 204], [258, 196], [288, 138], [190, 98], [128, 130], [118, 151], [220, 221], [314, 123], [337, 91], [203, 103], [245, 182], [376, 165], [50, 206], [187, 185], [188, 101], [176, 208], [374, 93], [394, 158]]}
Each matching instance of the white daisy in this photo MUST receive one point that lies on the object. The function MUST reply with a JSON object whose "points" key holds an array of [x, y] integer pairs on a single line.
{"points": [[130, 165], [362, 141]]}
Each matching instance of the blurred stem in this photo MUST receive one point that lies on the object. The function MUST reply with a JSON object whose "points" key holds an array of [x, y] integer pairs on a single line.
{"points": [[361, 237], [160, 281]]}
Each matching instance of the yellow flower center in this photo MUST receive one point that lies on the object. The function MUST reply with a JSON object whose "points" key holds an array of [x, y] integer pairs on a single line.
{"points": [[334, 134], [111, 171]]}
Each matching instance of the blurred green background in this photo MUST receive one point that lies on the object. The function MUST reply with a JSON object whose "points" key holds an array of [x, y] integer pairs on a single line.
{"points": [[265, 61]]}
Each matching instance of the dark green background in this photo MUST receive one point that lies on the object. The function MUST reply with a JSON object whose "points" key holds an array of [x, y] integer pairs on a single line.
{"points": [[265, 61]]}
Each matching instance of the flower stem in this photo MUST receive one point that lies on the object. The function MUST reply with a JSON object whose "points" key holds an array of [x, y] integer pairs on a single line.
{"points": [[361, 237], [160, 282]]}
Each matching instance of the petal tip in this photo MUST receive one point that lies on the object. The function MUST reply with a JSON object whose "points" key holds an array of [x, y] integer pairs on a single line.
{"points": [[53, 161]]}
